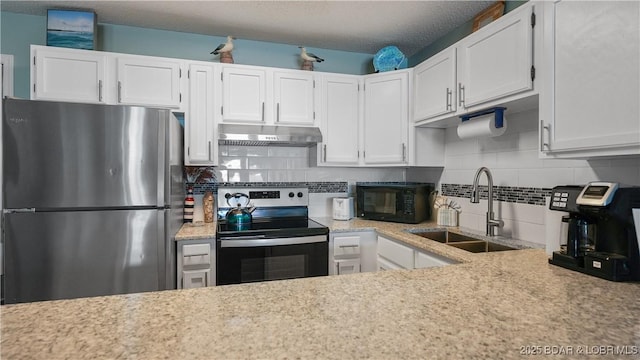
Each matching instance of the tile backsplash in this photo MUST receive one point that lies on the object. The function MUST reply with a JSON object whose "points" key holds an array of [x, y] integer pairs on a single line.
{"points": [[278, 164], [522, 180]]}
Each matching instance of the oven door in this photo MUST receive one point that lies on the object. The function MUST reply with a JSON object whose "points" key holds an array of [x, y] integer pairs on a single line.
{"points": [[256, 258]]}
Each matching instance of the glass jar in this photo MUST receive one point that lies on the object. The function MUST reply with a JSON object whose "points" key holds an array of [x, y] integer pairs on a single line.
{"points": [[207, 206]]}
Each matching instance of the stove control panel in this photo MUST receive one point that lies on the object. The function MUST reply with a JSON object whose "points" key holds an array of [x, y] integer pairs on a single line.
{"points": [[265, 197], [254, 195]]}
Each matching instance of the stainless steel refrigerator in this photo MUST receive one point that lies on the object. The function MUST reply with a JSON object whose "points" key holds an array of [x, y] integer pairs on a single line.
{"points": [[92, 199]]}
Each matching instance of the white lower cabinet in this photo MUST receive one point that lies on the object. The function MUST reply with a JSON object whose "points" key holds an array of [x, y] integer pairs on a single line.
{"points": [[196, 263], [384, 265], [393, 255], [425, 260], [352, 252]]}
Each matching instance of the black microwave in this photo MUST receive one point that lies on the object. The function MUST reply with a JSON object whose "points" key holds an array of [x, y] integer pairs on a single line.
{"points": [[404, 203]]}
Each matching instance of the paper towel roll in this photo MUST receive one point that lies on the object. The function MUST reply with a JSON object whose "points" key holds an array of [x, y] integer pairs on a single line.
{"points": [[481, 126]]}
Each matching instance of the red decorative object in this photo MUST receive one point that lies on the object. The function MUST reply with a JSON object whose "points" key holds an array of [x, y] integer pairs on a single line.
{"points": [[189, 203]]}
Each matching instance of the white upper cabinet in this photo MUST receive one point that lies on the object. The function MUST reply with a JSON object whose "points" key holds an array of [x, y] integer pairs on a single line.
{"points": [[243, 95], [68, 75], [148, 81], [496, 61], [386, 118], [340, 117], [200, 141], [494, 66], [294, 97], [590, 103], [434, 90]]}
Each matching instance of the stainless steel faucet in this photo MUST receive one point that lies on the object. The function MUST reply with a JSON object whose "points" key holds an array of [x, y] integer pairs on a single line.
{"points": [[492, 223]]}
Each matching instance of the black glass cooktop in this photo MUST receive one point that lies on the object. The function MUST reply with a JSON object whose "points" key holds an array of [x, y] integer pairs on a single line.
{"points": [[290, 227]]}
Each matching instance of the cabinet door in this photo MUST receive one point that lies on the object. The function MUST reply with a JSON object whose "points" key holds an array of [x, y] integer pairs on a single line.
{"points": [[496, 61], [243, 95], [340, 118], [148, 82], [434, 90], [384, 265], [424, 260], [293, 96], [199, 118], [68, 75], [395, 252], [386, 118], [593, 96]]}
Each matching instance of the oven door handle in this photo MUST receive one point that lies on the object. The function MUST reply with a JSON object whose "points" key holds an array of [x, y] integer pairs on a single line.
{"points": [[261, 242]]}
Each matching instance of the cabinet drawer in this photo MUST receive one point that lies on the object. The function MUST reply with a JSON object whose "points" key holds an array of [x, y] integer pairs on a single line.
{"points": [[346, 247], [347, 266], [399, 254], [196, 254], [196, 278]]}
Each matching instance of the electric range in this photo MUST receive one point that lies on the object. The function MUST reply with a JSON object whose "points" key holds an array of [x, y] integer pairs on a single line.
{"points": [[280, 241]]}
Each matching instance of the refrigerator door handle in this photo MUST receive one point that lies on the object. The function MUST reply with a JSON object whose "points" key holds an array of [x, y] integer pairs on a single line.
{"points": [[162, 249], [25, 210]]}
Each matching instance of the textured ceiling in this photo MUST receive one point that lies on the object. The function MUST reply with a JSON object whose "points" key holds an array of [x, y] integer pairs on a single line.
{"points": [[359, 26]]}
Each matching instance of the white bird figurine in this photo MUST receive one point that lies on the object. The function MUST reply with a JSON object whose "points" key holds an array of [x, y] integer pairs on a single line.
{"points": [[226, 47], [309, 56]]}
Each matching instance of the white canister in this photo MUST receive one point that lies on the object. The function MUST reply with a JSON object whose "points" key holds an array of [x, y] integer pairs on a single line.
{"points": [[343, 208]]}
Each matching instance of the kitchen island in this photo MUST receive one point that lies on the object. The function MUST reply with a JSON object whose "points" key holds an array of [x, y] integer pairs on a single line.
{"points": [[490, 305]]}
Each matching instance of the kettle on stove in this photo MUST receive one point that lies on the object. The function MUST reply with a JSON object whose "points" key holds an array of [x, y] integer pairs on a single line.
{"points": [[240, 215]]}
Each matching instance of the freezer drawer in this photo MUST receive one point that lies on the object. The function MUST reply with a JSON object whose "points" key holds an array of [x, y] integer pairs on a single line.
{"points": [[63, 255]]}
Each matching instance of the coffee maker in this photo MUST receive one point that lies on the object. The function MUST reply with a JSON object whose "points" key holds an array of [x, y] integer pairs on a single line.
{"points": [[600, 237]]}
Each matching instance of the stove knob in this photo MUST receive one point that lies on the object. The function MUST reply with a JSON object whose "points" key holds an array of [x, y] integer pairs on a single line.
{"points": [[291, 194], [300, 194]]}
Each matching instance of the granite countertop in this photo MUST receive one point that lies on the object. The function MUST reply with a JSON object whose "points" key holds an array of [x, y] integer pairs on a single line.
{"points": [[197, 230], [491, 305]]}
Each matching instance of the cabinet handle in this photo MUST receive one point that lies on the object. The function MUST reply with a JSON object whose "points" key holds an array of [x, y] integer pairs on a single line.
{"points": [[448, 99], [119, 91], [543, 144], [325, 152], [263, 111], [278, 112], [404, 151], [209, 150], [206, 279], [192, 255], [100, 90], [348, 246], [460, 95]]}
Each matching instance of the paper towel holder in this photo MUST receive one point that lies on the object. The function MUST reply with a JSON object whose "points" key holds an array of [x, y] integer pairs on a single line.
{"points": [[498, 115]]}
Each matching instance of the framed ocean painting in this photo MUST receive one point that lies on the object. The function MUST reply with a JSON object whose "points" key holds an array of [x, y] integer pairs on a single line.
{"points": [[71, 29]]}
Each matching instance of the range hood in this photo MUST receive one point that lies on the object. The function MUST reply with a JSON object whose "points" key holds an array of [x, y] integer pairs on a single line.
{"points": [[263, 135]]}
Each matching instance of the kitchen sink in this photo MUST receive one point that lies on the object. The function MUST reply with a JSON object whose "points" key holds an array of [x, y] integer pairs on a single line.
{"points": [[479, 246], [461, 241], [445, 236]]}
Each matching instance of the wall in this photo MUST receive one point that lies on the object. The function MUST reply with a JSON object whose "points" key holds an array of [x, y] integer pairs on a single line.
{"points": [[18, 31], [522, 180]]}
